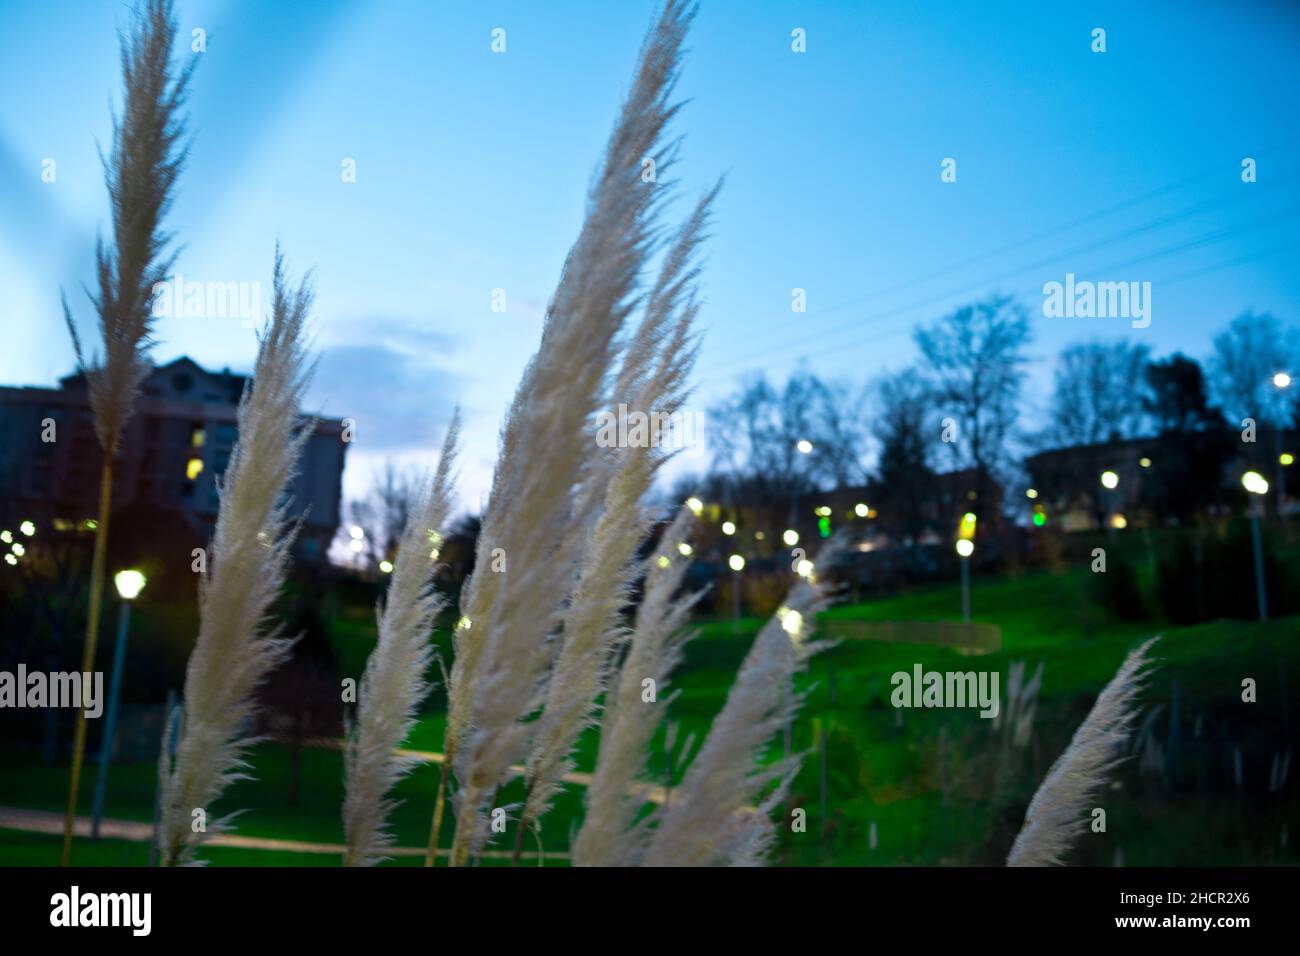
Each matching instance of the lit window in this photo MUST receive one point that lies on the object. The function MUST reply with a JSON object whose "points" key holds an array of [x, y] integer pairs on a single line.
{"points": [[193, 468]]}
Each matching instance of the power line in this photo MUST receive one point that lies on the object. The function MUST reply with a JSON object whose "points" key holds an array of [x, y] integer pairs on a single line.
{"points": [[987, 281], [1163, 282], [1207, 172]]}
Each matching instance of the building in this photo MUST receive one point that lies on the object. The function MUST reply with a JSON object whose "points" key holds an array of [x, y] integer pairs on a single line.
{"points": [[172, 451], [1119, 483]]}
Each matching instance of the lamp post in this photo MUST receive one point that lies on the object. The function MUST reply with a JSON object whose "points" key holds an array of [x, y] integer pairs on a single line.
{"points": [[737, 564], [1255, 483], [965, 548], [1110, 481], [129, 584], [804, 447], [1281, 381]]}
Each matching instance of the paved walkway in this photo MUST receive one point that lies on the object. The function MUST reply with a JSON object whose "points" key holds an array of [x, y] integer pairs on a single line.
{"points": [[51, 822], [651, 793]]}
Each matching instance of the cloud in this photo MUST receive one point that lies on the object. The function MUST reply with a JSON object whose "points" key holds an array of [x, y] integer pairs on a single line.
{"points": [[398, 395]]}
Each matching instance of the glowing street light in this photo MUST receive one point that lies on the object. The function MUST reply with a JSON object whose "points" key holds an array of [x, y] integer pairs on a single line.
{"points": [[728, 527], [791, 621], [804, 568], [1109, 480], [861, 510], [28, 528], [1255, 483], [1282, 380], [386, 567], [695, 504], [684, 549], [805, 446], [790, 537], [129, 584], [1031, 493], [736, 562]]}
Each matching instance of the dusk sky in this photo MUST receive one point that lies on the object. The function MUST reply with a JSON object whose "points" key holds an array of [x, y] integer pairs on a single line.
{"points": [[472, 167]]}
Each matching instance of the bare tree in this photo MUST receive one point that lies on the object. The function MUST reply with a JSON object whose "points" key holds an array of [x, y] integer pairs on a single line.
{"points": [[904, 476], [383, 512], [975, 358], [1247, 354], [1098, 392], [761, 448]]}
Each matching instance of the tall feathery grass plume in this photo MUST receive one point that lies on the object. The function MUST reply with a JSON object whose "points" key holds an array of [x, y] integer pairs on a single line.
{"points": [[721, 812], [140, 170], [394, 682], [651, 383], [1058, 812], [511, 612], [629, 722], [248, 559]]}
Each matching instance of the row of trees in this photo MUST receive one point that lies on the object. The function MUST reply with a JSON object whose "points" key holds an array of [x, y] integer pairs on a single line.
{"points": [[961, 406]]}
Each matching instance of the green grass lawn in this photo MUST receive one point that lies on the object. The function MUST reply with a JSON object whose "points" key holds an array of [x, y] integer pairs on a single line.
{"points": [[936, 786]]}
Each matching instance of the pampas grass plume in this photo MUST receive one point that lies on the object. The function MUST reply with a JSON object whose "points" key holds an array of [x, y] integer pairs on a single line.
{"points": [[248, 559], [1058, 812], [394, 682]]}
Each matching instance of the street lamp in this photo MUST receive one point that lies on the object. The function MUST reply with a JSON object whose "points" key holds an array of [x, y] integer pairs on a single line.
{"points": [[1281, 380], [1257, 485], [965, 548], [1109, 481], [129, 584], [737, 564], [804, 446]]}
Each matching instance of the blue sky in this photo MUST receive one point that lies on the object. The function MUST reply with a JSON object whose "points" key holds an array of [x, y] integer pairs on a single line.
{"points": [[472, 169]]}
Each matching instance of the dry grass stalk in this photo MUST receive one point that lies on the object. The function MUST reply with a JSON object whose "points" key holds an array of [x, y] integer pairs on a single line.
{"points": [[652, 382], [141, 170], [506, 645], [394, 682], [1058, 812], [629, 722], [720, 813], [247, 562]]}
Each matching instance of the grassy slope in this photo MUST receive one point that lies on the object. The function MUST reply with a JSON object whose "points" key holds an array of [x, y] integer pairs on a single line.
{"points": [[877, 770]]}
